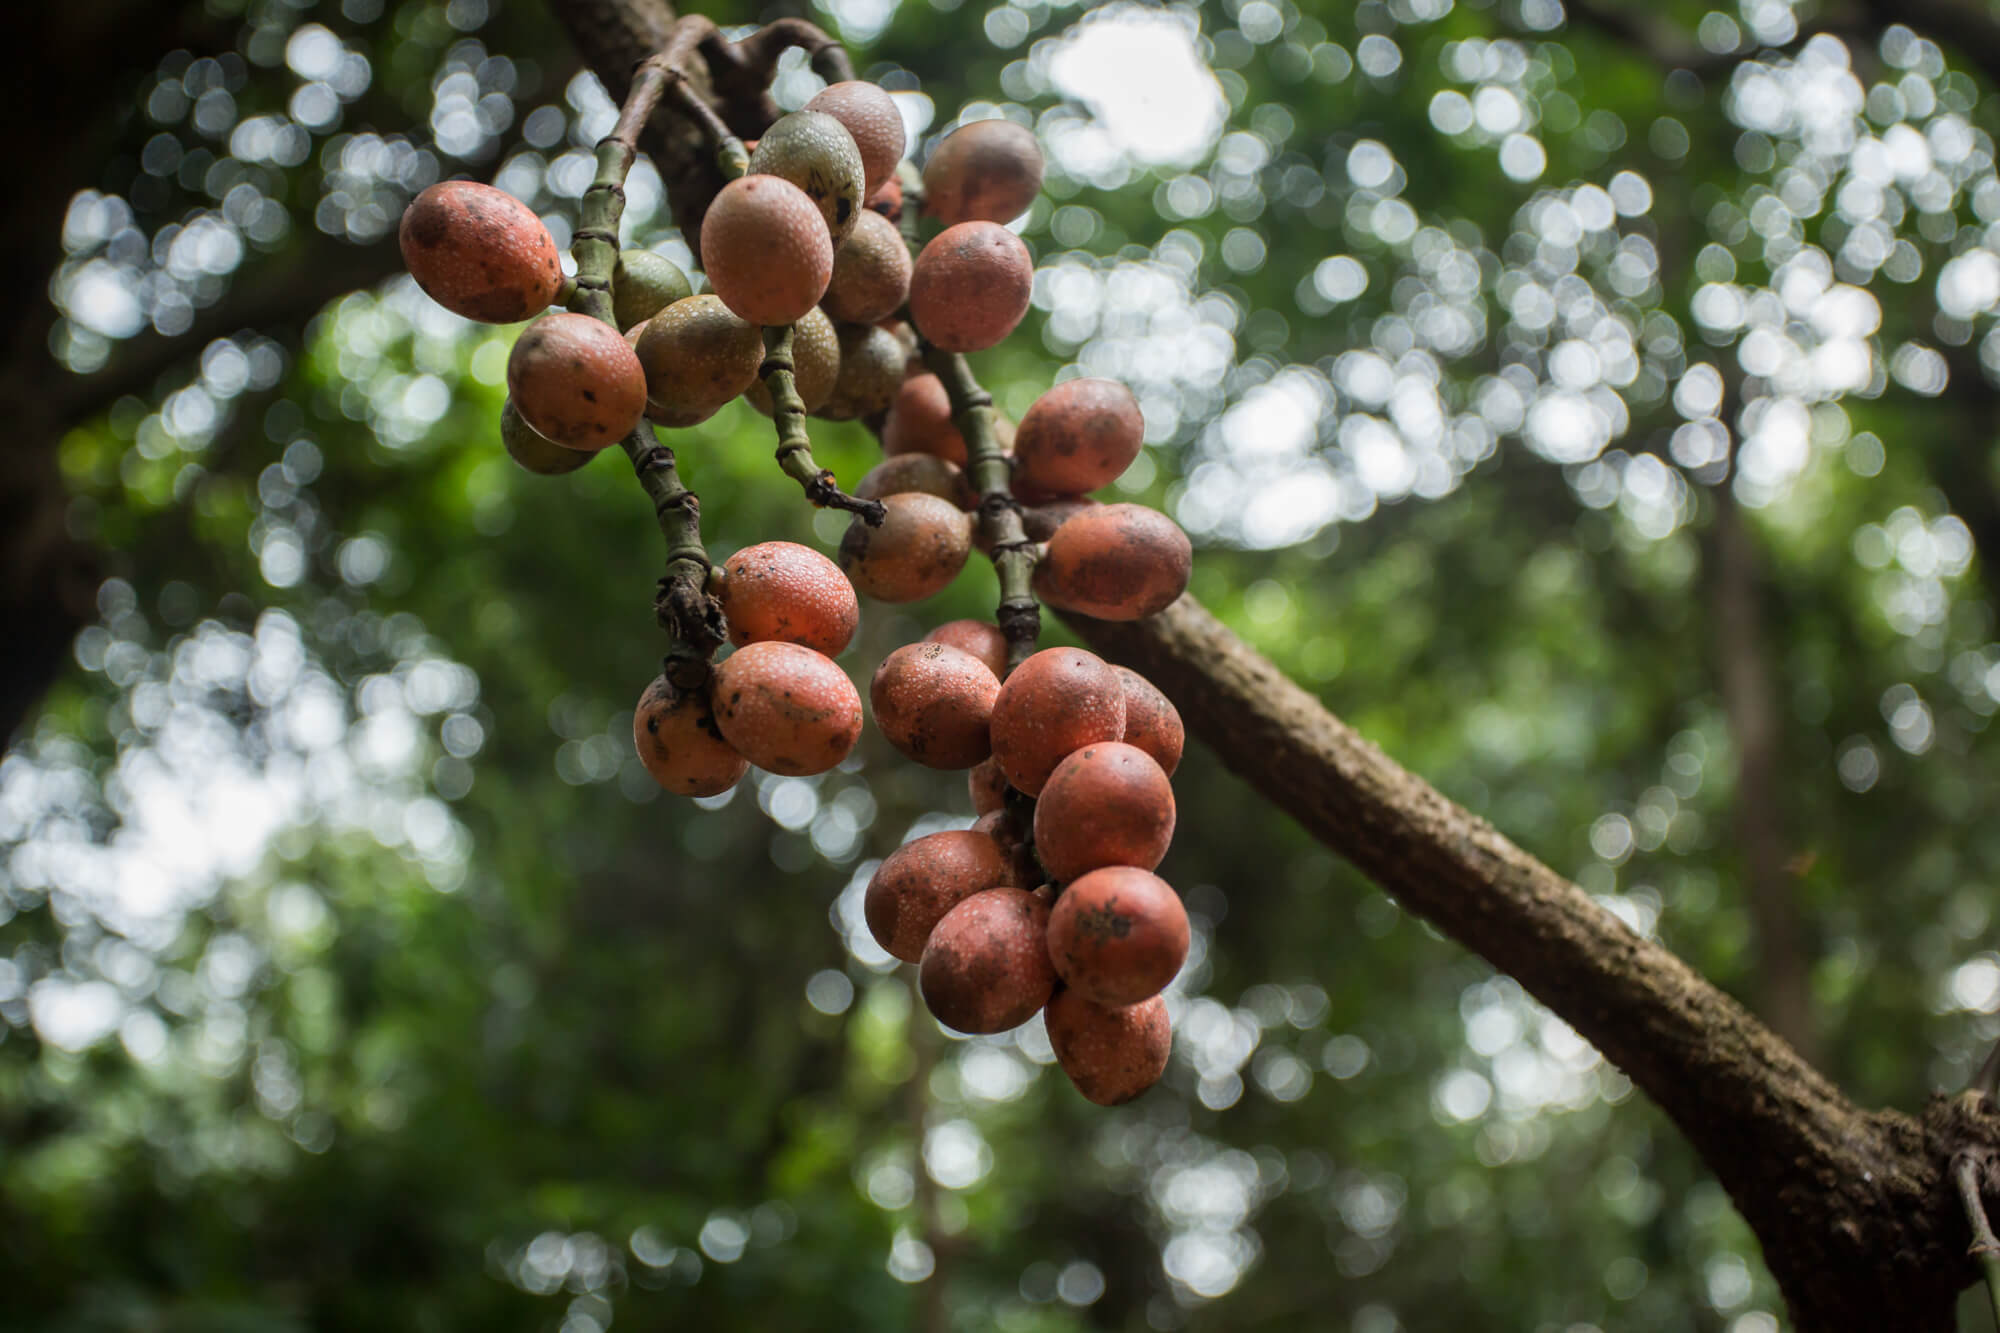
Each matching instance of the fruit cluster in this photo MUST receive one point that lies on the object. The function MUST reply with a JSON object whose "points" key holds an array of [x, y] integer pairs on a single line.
{"points": [[1094, 944], [816, 306]]}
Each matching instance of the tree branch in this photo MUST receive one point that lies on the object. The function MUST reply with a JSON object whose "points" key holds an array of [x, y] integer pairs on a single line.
{"points": [[1851, 1206]]}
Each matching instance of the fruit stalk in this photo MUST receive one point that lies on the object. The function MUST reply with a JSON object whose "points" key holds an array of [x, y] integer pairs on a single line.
{"points": [[788, 414], [690, 617], [1020, 615]]}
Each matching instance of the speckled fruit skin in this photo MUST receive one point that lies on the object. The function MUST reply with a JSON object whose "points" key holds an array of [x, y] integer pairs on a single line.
{"points": [[986, 967], [1115, 562], [922, 880], [815, 364], [1110, 1054], [871, 118], [934, 704], [1151, 721], [678, 743], [988, 786], [480, 252], [871, 272], [781, 592], [576, 381], [970, 286], [871, 370], [814, 152], [978, 637], [1118, 935], [924, 474], [918, 550], [1108, 804], [1050, 706], [697, 355], [920, 422], [542, 456], [786, 708], [643, 284], [1080, 435], [990, 170], [765, 249]]}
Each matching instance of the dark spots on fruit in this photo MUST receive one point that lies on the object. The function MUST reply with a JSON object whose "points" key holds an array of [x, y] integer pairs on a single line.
{"points": [[1102, 924], [843, 209], [589, 395], [429, 227]]}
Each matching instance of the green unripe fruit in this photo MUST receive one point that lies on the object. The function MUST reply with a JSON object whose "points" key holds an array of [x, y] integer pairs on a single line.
{"points": [[871, 370], [534, 451], [697, 356], [815, 152], [643, 285]]}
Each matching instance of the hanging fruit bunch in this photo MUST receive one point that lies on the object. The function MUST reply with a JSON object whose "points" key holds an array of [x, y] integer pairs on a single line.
{"points": [[816, 306]]}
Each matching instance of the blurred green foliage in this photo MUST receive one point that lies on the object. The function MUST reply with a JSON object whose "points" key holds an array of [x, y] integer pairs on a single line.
{"points": [[355, 976]]}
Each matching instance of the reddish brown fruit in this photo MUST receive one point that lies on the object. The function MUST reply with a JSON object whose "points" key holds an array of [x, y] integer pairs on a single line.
{"points": [[1151, 721], [815, 364], [1042, 520], [988, 786], [697, 356], [871, 272], [480, 253], [970, 286], [576, 381], [784, 592], [1080, 435], [920, 547], [1000, 826], [1050, 706], [786, 708], [920, 422], [934, 704], [1116, 562], [986, 967], [920, 881], [926, 474], [871, 117], [984, 641], [871, 370], [989, 170], [1105, 805], [1110, 1054], [766, 250], [677, 740], [888, 201], [1118, 935]]}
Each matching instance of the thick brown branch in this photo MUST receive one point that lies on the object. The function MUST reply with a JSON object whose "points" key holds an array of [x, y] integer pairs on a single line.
{"points": [[1851, 1206]]}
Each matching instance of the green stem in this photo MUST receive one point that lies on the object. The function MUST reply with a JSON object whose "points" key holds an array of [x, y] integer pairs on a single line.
{"points": [[692, 619], [788, 414], [1965, 1171], [1000, 525]]}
